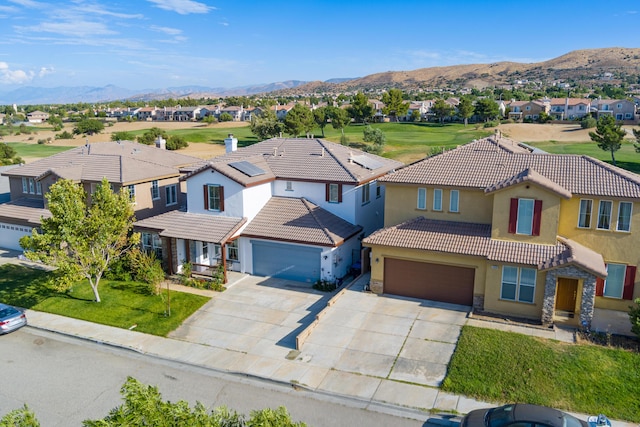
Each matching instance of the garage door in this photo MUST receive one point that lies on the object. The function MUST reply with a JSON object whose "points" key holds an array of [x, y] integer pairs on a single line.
{"points": [[10, 235], [423, 280], [292, 262]]}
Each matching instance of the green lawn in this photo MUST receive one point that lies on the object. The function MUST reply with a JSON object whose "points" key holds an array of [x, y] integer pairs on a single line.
{"points": [[509, 367], [37, 150], [626, 158], [123, 303]]}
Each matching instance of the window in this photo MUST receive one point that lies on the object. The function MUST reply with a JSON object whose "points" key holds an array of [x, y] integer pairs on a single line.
{"points": [[38, 187], [525, 216], [614, 284], [171, 194], [232, 250], [422, 198], [32, 186], [454, 200], [214, 198], [151, 242], [624, 216], [334, 193], [366, 193], [155, 190], [25, 186], [584, 217], [437, 199], [132, 191], [604, 215], [518, 284], [378, 191], [289, 186]]}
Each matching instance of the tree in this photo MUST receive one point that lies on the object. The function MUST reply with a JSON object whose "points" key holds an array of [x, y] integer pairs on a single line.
{"points": [[636, 134], [226, 117], [299, 120], [123, 136], [376, 137], [22, 417], [339, 120], [321, 118], [82, 239], [209, 119], [8, 155], [465, 109], [150, 136], [360, 109], [608, 135], [487, 109], [88, 126], [266, 125], [56, 122], [441, 109], [394, 105]]}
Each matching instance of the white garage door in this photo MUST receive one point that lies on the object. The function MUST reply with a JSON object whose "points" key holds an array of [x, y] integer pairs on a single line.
{"points": [[10, 235]]}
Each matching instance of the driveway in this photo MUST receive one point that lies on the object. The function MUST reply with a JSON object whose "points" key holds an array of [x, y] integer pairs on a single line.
{"points": [[384, 337]]}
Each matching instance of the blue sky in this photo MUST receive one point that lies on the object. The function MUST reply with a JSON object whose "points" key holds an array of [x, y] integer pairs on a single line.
{"points": [[144, 44]]}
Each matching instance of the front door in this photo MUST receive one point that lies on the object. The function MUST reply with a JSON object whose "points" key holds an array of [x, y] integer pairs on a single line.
{"points": [[566, 295]]}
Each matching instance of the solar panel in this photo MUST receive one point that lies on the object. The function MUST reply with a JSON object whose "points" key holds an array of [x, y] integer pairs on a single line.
{"points": [[367, 162], [247, 168]]}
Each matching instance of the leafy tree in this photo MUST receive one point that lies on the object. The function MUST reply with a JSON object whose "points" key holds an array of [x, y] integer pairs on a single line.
{"points": [[588, 122], [415, 116], [376, 137], [82, 239], [465, 109], [88, 126], [226, 117], [56, 122], [175, 142], [150, 136], [299, 120], [394, 105], [209, 119], [123, 136], [321, 118], [441, 109], [22, 417], [266, 125], [360, 109], [636, 134], [608, 135], [339, 120], [8, 156], [487, 109], [543, 117]]}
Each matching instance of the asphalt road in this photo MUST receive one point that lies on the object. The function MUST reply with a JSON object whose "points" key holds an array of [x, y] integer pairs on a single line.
{"points": [[66, 380]]}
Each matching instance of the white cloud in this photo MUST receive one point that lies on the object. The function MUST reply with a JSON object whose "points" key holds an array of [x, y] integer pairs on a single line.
{"points": [[29, 3], [98, 9], [78, 28], [44, 71], [166, 30], [9, 76], [183, 7]]}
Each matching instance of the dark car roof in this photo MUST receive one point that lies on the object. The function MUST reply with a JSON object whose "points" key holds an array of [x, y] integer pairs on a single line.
{"points": [[541, 414]]}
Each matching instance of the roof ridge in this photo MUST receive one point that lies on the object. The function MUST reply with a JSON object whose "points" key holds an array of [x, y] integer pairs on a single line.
{"points": [[307, 204], [622, 173], [326, 148]]}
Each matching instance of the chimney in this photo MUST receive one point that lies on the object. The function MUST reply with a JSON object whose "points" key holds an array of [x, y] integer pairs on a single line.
{"points": [[230, 143], [161, 143]]}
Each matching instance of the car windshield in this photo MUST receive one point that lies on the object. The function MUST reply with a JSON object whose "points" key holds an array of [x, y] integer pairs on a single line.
{"points": [[570, 421], [499, 417], [7, 311]]}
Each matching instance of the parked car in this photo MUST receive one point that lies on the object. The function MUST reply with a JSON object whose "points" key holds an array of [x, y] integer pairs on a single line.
{"points": [[11, 318], [522, 414]]}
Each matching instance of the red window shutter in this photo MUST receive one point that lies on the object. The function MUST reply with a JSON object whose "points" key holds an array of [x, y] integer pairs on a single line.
{"points": [[537, 217], [599, 287], [221, 198], [513, 215], [206, 197], [629, 280], [339, 193], [326, 192]]}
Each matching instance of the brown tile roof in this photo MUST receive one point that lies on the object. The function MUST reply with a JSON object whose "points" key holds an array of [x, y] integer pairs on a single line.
{"points": [[303, 159], [475, 240], [184, 225], [486, 162], [24, 211], [298, 220], [123, 162], [529, 175], [569, 101]]}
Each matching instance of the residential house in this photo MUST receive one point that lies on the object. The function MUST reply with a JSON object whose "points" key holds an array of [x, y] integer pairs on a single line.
{"points": [[620, 109], [289, 208], [422, 107], [185, 114], [509, 230], [166, 113], [146, 113], [569, 108], [209, 110], [2, 118], [526, 110], [150, 174], [37, 116], [282, 110], [236, 112]]}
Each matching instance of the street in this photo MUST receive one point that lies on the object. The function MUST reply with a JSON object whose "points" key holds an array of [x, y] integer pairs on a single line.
{"points": [[66, 380]]}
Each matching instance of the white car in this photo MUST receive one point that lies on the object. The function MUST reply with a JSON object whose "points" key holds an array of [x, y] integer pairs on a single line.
{"points": [[11, 318]]}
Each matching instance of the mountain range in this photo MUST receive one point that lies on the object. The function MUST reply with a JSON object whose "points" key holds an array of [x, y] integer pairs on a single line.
{"points": [[581, 66]]}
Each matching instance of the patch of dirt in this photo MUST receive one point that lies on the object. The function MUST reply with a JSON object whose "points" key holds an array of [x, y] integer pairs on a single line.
{"points": [[608, 340]]}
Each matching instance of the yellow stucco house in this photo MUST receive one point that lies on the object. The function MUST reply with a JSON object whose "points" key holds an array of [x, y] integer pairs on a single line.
{"points": [[510, 230]]}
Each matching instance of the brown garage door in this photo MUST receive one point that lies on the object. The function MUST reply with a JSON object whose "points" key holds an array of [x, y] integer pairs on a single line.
{"points": [[423, 280]]}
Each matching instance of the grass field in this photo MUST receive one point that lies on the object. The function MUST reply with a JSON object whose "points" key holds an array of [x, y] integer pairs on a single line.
{"points": [[626, 158], [25, 149], [509, 367]]}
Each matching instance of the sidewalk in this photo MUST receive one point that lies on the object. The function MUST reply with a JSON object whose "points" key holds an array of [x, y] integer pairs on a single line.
{"points": [[371, 392]]}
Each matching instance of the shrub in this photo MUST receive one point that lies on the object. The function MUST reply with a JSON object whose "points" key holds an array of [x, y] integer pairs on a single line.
{"points": [[588, 122], [324, 286], [491, 124], [226, 117], [146, 268], [64, 135], [22, 417], [634, 317]]}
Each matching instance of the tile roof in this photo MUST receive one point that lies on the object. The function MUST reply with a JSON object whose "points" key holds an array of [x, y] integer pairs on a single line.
{"points": [[309, 159], [191, 226], [475, 240], [24, 211], [486, 162], [298, 220], [529, 175], [121, 162]]}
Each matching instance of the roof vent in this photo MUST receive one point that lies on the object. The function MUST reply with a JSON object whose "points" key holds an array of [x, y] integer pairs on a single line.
{"points": [[322, 154], [230, 143]]}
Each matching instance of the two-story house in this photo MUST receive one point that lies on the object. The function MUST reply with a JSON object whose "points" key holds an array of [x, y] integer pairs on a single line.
{"points": [[569, 108], [526, 110], [620, 109], [37, 116], [150, 174], [509, 230], [289, 208]]}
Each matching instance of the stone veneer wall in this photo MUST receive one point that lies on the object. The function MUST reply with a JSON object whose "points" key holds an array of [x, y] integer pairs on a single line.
{"points": [[587, 299]]}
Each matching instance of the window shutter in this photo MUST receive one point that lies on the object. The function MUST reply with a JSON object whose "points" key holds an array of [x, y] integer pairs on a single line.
{"points": [[629, 280], [537, 217], [339, 193], [206, 197], [326, 192], [513, 216], [599, 287], [221, 198]]}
